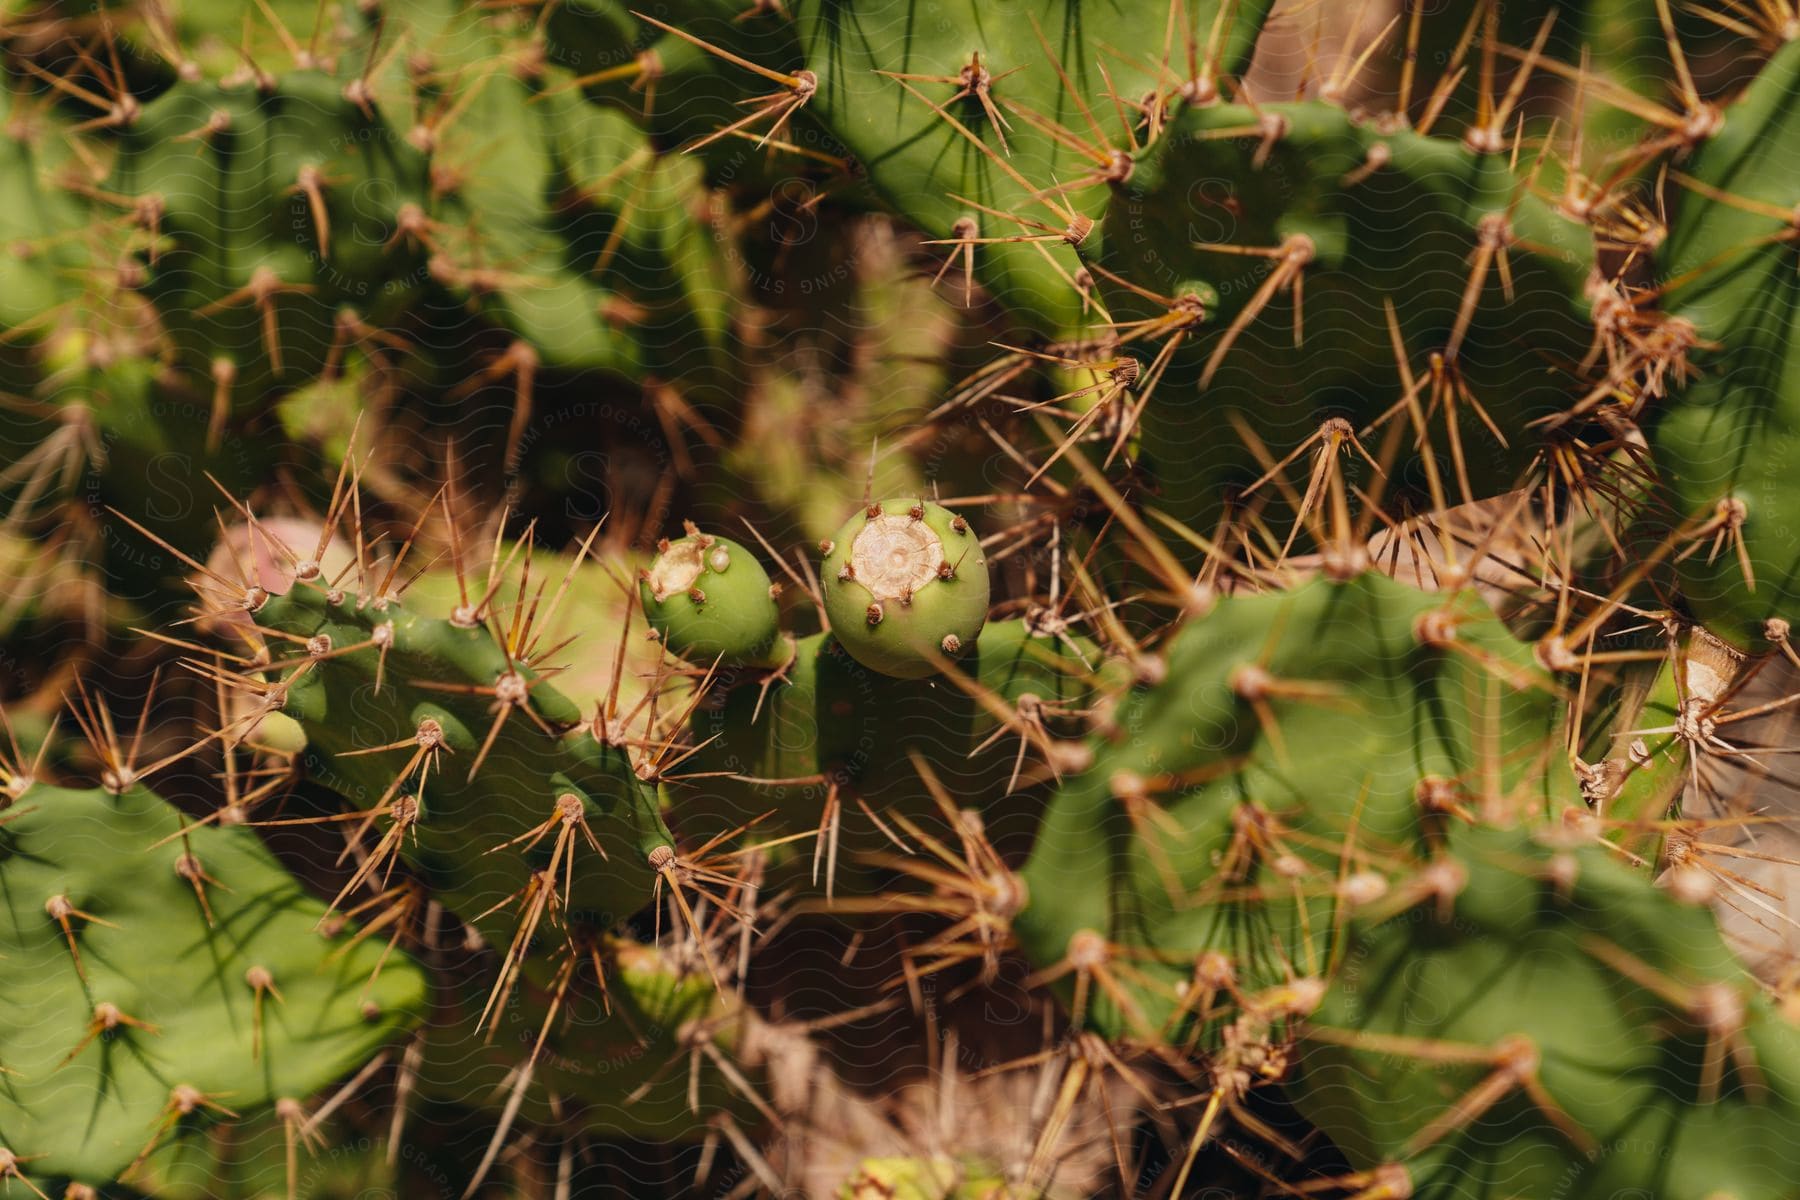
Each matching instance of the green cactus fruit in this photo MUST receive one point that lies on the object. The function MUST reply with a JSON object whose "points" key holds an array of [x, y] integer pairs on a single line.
{"points": [[711, 601], [906, 586], [900, 1179], [938, 1178], [159, 978]]}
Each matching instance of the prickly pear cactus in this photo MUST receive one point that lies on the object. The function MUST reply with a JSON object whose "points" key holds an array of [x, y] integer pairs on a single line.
{"points": [[706, 612], [1648, 989], [461, 697], [905, 586], [1729, 254], [1299, 707], [181, 977], [1433, 716]]}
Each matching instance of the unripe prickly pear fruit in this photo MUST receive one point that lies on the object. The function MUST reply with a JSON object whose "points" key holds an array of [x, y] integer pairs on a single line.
{"points": [[905, 583], [67, 351], [900, 1179], [710, 599]]}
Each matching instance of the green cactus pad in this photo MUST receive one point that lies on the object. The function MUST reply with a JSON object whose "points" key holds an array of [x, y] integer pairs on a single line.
{"points": [[831, 722], [606, 1060], [1040, 67], [44, 263], [906, 585], [131, 889], [272, 209], [1729, 444], [434, 671], [1360, 217], [1556, 946], [247, 1160], [1290, 729]]}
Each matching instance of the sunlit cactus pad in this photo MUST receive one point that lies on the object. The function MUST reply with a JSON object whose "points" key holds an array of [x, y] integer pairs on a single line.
{"points": [[852, 600], [181, 977]]}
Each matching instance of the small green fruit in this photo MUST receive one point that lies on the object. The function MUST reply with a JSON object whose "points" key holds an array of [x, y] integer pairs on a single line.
{"points": [[711, 600], [67, 351], [899, 1179], [905, 584]]}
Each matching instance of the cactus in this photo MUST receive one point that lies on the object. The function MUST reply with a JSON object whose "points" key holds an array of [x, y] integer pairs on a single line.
{"points": [[953, 136], [623, 1076], [1381, 248], [1648, 989], [1327, 739], [248, 1159], [1728, 433], [830, 725], [230, 174], [707, 612], [905, 586], [459, 696], [1258, 870], [1433, 714], [179, 976]]}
